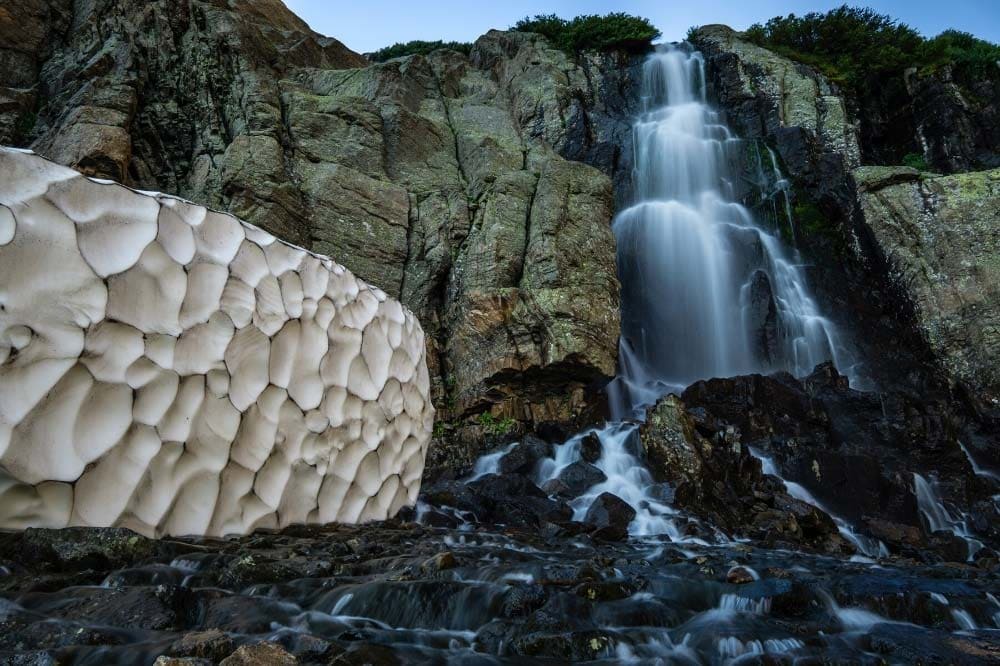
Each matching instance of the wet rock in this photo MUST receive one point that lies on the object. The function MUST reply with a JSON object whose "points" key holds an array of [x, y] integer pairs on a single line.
{"points": [[164, 660], [580, 476], [260, 654], [556, 487], [241, 614], [523, 599], [211, 644], [554, 432], [574, 646], [21, 632], [249, 569], [739, 576], [82, 547], [440, 562], [152, 608], [911, 644], [610, 515], [950, 547], [855, 452], [609, 590], [525, 455], [512, 500], [718, 480], [590, 448], [896, 535], [366, 655], [762, 318]]}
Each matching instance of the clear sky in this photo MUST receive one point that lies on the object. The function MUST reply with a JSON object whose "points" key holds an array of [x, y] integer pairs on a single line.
{"points": [[366, 25]]}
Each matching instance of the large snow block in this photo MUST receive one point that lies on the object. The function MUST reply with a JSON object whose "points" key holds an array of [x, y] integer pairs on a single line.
{"points": [[174, 370]]}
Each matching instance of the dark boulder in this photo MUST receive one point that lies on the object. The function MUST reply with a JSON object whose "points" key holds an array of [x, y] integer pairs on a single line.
{"points": [[855, 452], [497, 499], [525, 455], [590, 448], [580, 476], [610, 515]]}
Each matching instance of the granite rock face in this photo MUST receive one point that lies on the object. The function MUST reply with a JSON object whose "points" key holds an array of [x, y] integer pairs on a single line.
{"points": [[174, 370], [443, 179], [873, 257], [767, 95], [956, 129], [940, 239]]}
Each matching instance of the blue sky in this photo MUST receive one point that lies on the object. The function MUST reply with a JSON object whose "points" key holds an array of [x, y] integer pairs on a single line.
{"points": [[367, 25]]}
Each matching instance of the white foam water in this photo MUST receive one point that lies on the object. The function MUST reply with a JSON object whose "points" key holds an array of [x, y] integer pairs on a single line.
{"points": [[868, 546], [937, 516]]}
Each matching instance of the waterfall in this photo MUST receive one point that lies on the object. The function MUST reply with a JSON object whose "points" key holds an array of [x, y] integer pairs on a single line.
{"points": [[706, 291]]}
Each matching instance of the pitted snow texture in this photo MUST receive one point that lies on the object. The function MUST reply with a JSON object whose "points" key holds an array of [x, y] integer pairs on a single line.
{"points": [[174, 370]]}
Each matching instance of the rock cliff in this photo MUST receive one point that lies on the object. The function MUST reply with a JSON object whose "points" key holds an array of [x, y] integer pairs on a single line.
{"points": [[940, 236], [443, 179], [923, 308], [177, 371]]}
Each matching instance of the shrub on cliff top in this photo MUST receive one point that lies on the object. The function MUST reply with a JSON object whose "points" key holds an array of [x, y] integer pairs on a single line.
{"points": [[417, 47], [868, 52], [616, 31]]}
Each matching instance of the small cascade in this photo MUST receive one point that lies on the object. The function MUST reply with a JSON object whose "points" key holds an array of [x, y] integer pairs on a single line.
{"points": [[490, 463], [626, 476], [976, 468], [866, 545], [963, 619], [936, 514]]}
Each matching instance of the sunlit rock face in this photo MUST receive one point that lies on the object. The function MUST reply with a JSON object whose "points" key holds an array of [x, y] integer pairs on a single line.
{"points": [[175, 370]]}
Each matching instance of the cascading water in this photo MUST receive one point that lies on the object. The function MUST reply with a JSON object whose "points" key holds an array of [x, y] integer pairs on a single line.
{"points": [[706, 292]]}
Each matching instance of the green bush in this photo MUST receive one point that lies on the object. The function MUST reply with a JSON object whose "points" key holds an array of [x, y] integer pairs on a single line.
{"points": [[867, 52], [915, 161], [494, 426], [417, 47], [616, 31]]}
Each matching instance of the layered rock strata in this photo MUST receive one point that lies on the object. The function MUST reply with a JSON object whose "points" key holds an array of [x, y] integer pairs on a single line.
{"points": [[175, 370]]}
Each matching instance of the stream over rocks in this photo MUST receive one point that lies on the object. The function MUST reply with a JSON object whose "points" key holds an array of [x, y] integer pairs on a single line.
{"points": [[398, 593]]}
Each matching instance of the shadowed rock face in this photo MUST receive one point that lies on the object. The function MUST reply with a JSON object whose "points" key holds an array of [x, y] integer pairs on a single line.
{"points": [[177, 371], [938, 236], [442, 179], [855, 452], [900, 258]]}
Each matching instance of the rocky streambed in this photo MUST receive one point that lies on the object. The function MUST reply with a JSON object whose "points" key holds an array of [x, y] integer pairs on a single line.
{"points": [[532, 558], [401, 592]]}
